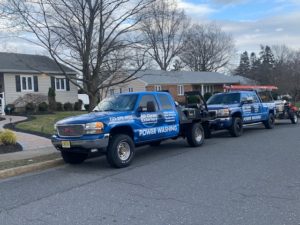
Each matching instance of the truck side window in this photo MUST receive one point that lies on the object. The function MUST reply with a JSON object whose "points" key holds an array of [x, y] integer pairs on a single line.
{"points": [[255, 98], [165, 102], [148, 104], [265, 96]]}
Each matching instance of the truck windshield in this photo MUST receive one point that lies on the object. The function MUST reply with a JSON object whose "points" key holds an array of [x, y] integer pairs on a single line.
{"points": [[117, 103], [226, 98]]}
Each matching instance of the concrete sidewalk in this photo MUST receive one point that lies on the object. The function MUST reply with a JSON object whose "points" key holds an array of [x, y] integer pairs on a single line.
{"points": [[33, 145]]}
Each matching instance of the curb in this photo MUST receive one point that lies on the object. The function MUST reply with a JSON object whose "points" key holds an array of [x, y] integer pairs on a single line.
{"points": [[30, 168]]}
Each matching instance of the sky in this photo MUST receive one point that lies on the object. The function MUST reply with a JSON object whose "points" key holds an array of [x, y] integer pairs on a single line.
{"points": [[250, 22]]}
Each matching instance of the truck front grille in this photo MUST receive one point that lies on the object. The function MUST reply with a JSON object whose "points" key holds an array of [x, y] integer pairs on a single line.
{"points": [[70, 130]]}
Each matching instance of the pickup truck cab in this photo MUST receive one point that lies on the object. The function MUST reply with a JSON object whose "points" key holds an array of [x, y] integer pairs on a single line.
{"points": [[240, 107], [121, 122]]}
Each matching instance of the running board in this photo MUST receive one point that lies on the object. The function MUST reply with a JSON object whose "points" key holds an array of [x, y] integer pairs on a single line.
{"points": [[252, 124]]}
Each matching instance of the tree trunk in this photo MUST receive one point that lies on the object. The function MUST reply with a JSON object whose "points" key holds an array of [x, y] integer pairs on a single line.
{"points": [[93, 102]]}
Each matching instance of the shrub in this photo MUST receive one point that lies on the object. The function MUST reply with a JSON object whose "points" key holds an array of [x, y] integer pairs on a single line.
{"points": [[59, 106], [68, 106], [51, 99], [30, 107], [43, 107], [10, 108], [87, 106], [207, 96], [7, 137], [78, 105]]}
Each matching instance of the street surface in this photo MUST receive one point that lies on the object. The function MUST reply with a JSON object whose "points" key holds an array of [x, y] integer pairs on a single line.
{"points": [[251, 180]]}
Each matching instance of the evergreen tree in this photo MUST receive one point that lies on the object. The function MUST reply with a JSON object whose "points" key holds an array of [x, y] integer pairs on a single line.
{"points": [[267, 65], [244, 67]]}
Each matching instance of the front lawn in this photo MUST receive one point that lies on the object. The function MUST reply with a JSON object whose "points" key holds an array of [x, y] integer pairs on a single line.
{"points": [[44, 124]]}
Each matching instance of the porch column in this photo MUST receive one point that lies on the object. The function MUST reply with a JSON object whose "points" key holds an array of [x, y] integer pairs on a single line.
{"points": [[202, 89]]}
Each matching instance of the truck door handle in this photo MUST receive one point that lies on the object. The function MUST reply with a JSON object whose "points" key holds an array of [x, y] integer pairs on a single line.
{"points": [[160, 116]]}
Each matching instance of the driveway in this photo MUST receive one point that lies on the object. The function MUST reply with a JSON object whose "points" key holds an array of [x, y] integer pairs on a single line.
{"points": [[254, 179]]}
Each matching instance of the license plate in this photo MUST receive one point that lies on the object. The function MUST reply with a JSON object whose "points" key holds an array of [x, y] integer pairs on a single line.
{"points": [[65, 144]]}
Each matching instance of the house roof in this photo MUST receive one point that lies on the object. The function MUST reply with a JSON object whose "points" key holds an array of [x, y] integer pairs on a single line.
{"points": [[185, 77], [245, 80], [24, 63]]}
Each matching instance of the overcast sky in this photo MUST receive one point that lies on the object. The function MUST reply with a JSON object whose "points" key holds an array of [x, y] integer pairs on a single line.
{"points": [[251, 22]]}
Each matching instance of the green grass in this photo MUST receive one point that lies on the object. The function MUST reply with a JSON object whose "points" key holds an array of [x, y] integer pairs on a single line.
{"points": [[45, 123], [298, 104]]}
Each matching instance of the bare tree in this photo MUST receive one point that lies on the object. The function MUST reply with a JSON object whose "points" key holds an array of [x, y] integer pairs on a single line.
{"points": [[207, 48], [94, 37], [163, 27]]}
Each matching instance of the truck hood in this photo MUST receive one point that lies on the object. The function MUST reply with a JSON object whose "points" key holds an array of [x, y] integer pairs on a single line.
{"points": [[220, 106], [91, 117]]}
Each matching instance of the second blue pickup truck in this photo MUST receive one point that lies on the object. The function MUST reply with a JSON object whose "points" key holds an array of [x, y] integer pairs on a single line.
{"points": [[237, 108]]}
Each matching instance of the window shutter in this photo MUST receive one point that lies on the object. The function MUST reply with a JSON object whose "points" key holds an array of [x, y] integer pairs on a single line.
{"points": [[18, 83], [67, 84], [36, 84], [52, 82]]}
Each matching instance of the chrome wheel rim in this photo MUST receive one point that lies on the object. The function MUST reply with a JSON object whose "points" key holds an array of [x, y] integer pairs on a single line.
{"points": [[198, 134], [123, 150], [295, 118]]}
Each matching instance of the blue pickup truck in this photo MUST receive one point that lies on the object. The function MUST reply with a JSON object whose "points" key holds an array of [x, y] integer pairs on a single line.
{"points": [[237, 108], [121, 122]]}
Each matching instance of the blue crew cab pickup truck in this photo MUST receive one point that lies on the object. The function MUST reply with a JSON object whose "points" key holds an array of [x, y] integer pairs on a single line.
{"points": [[237, 108], [121, 122]]}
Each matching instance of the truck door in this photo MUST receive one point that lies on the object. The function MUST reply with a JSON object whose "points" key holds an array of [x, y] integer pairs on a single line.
{"points": [[256, 108], [148, 119], [170, 126]]}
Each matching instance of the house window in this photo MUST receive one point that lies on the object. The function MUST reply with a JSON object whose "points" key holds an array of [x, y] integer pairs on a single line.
{"points": [[60, 84], [180, 89], [130, 89], [112, 91], [157, 87], [27, 83]]}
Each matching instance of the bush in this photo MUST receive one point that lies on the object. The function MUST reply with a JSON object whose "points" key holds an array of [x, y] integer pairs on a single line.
{"points": [[87, 106], [51, 99], [207, 96], [78, 105], [59, 106], [30, 107], [68, 106], [7, 137], [9, 109], [43, 107]]}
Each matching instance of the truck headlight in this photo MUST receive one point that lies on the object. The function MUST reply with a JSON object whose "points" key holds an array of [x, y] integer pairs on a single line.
{"points": [[223, 113], [94, 128]]}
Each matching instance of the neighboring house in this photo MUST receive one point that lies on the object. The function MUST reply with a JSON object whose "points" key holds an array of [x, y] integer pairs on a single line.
{"points": [[21, 74], [176, 82]]}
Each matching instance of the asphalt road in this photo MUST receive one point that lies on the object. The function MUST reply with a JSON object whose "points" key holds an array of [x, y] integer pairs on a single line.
{"points": [[254, 179]]}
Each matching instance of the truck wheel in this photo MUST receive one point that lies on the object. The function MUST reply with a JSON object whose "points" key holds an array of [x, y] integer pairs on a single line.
{"points": [[293, 118], [73, 157], [155, 143], [195, 135], [120, 151], [270, 122], [236, 128]]}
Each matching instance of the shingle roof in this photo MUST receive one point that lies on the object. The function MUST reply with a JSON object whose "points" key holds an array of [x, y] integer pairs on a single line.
{"points": [[24, 63], [185, 77]]}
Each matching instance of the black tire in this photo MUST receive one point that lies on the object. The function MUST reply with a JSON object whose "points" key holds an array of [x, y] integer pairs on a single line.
{"points": [[294, 118], [155, 143], [195, 135], [270, 122], [236, 129], [120, 145], [73, 157]]}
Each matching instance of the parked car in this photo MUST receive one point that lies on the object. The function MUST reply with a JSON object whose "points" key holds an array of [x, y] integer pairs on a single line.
{"points": [[238, 107], [122, 122]]}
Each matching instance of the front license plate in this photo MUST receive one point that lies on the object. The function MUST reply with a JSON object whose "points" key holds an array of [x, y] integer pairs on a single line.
{"points": [[65, 144]]}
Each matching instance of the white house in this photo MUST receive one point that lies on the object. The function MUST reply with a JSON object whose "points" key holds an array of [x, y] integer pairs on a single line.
{"points": [[21, 74]]}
